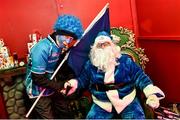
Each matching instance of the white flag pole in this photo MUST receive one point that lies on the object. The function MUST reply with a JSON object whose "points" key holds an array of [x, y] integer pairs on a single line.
{"points": [[40, 95]]}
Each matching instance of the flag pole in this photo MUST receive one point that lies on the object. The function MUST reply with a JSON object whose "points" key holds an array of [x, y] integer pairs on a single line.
{"points": [[40, 95]]}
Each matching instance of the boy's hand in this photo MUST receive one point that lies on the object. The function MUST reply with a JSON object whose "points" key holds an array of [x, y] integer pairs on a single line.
{"points": [[69, 87]]}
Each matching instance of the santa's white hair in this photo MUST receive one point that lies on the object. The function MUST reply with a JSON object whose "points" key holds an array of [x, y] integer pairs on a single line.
{"points": [[102, 58]]}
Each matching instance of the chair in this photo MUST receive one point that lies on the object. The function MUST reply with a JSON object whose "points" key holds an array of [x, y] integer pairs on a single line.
{"points": [[124, 38]]}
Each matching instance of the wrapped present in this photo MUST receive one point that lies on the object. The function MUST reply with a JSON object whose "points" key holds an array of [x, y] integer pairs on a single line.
{"points": [[30, 45], [10, 62], [4, 51], [34, 38], [1, 61], [1, 42], [6, 61]]}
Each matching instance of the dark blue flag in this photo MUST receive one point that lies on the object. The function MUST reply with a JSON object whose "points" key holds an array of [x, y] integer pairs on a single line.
{"points": [[80, 53]]}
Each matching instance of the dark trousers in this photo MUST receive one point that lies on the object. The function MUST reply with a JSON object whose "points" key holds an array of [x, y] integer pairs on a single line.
{"points": [[53, 107]]}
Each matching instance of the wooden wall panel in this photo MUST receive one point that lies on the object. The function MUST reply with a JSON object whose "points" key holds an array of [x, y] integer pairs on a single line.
{"points": [[164, 65], [159, 35]]}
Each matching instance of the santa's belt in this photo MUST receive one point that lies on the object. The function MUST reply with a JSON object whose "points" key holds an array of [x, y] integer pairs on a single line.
{"points": [[106, 87]]}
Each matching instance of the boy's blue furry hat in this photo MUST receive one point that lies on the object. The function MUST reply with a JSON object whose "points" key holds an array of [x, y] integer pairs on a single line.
{"points": [[69, 25]]}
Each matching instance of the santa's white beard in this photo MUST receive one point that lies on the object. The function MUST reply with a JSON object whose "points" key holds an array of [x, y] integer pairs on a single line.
{"points": [[103, 58]]}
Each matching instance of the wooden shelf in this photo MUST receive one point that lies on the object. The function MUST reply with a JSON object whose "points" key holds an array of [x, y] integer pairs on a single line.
{"points": [[7, 74]]}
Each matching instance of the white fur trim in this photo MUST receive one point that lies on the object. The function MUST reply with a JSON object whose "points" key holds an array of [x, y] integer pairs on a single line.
{"points": [[104, 105], [109, 75], [120, 104], [102, 39], [151, 89]]}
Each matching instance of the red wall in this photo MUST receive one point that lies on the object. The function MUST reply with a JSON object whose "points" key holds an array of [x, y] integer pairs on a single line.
{"points": [[159, 34], [159, 18], [164, 65], [120, 10], [18, 18]]}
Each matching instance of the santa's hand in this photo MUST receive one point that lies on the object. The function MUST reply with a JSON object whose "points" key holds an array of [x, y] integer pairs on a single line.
{"points": [[153, 101], [69, 87]]}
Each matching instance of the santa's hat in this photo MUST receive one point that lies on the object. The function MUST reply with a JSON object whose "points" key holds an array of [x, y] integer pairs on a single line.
{"points": [[103, 37]]}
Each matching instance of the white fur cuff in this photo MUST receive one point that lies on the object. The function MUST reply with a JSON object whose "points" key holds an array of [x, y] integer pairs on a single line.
{"points": [[151, 89], [101, 39]]}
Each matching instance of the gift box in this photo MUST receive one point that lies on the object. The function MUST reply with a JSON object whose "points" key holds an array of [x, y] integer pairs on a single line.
{"points": [[34, 38], [1, 42], [4, 51], [6, 61], [30, 45]]}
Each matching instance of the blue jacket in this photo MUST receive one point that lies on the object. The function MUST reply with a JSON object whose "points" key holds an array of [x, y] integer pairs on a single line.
{"points": [[42, 60], [127, 72]]}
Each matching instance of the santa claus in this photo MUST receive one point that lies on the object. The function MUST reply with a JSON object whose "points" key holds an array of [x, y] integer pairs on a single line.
{"points": [[113, 79]]}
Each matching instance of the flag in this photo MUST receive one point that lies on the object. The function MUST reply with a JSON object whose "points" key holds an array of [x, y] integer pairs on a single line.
{"points": [[80, 53]]}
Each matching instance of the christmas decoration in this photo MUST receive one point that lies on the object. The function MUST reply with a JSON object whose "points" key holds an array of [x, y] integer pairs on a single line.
{"points": [[6, 61], [34, 38]]}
